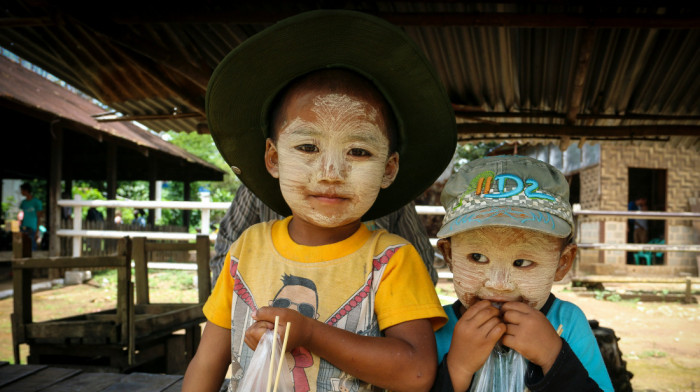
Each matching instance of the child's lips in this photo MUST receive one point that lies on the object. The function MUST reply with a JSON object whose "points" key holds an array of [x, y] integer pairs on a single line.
{"points": [[330, 197]]}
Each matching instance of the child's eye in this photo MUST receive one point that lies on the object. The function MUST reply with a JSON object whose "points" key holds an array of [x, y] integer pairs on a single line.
{"points": [[359, 152], [522, 263], [478, 258], [307, 148]]}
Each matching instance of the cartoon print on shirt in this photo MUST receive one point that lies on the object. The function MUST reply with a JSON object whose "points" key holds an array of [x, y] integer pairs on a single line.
{"points": [[304, 291]]}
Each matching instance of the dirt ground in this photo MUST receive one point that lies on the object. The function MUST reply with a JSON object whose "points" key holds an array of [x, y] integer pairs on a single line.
{"points": [[660, 341]]}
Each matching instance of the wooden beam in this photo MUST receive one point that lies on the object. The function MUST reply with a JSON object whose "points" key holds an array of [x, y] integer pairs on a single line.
{"points": [[579, 80], [574, 131], [476, 114], [148, 117], [441, 19]]}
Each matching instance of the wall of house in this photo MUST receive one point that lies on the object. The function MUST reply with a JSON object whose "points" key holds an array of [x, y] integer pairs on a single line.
{"points": [[605, 187]]}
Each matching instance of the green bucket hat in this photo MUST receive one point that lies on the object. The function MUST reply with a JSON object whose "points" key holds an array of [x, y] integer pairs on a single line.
{"points": [[245, 83]]}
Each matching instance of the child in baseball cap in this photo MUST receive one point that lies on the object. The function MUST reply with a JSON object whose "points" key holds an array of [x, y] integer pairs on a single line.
{"points": [[507, 236]]}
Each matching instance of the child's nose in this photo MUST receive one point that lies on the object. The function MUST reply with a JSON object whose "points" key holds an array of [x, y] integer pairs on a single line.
{"points": [[332, 167], [499, 279]]}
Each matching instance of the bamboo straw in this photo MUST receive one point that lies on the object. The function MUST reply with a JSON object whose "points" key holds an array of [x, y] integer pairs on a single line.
{"points": [[284, 349], [272, 355]]}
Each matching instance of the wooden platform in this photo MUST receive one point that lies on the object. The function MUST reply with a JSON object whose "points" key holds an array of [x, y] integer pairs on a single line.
{"points": [[31, 378]]}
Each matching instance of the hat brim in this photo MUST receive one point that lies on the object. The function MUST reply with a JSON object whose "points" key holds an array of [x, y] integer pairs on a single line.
{"points": [[522, 218], [247, 80]]}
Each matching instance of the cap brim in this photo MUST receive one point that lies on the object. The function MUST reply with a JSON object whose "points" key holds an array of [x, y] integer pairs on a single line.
{"points": [[245, 83], [523, 218]]}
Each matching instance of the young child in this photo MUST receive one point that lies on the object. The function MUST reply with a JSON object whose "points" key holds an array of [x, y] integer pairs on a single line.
{"points": [[506, 237], [32, 212], [313, 114]]}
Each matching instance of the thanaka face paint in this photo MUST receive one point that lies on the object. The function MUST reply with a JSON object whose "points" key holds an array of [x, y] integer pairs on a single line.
{"points": [[332, 157], [503, 265]]}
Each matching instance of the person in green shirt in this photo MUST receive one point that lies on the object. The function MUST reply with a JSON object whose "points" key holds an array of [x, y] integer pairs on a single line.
{"points": [[32, 212]]}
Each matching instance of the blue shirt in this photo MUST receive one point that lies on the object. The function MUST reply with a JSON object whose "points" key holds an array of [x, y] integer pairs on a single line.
{"points": [[575, 331]]}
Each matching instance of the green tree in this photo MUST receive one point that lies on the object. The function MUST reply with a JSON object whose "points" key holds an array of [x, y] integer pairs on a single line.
{"points": [[471, 151], [221, 191]]}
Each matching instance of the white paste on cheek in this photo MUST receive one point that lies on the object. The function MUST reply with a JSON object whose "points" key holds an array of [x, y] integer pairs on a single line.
{"points": [[499, 277], [339, 124]]}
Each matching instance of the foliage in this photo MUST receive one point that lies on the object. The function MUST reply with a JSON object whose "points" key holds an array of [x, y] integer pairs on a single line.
{"points": [[223, 191], [469, 152]]}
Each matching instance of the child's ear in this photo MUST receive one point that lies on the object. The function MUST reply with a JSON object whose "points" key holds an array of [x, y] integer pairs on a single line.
{"points": [[390, 170], [271, 158], [566, 260], [445, 247]]}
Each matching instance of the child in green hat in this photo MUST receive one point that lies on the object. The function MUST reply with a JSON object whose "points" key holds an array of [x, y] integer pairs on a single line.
{"points": [[314, 114]]}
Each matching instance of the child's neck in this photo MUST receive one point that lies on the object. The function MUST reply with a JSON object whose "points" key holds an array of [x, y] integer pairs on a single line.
{"points": [[306, 233]]}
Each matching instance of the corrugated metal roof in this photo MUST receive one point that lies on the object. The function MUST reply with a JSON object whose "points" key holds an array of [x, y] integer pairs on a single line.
{"points": [[523, 71], [42, 99]]}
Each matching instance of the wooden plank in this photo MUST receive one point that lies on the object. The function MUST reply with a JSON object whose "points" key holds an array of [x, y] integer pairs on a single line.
{"points": [[144, 382], [203, 273], [71, 329], [177, 387], [88, 382], [177, 246], [44, 378], [140, 270], [85, 262], [12, 373]]}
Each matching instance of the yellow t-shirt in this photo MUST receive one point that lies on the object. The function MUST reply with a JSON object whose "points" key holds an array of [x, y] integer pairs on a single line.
{"points": [[363, 284]]}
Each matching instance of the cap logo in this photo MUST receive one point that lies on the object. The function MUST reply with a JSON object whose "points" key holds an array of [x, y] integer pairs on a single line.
{"points": [[481, 185]]}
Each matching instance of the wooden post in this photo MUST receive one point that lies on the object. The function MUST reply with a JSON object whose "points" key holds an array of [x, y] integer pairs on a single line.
{"points": [[140, 270], [186, 197], [77, 225], [152, 177], [203, 275], [125, 302], [53, 211], [111, 180]]}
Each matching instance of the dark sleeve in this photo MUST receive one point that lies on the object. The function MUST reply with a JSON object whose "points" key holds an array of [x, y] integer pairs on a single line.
{"points": [[443, 382], [405, 223], [567, 374], [242, 214]]}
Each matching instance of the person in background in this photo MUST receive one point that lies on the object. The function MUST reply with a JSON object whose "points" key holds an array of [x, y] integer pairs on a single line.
{"points": [[32, 212]]}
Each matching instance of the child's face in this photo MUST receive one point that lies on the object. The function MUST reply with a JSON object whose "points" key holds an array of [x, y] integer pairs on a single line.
{"points": [[331, 155], [502, 264]]}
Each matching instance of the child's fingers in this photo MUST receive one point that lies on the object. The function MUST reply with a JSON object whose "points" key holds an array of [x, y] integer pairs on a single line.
{"points": [[255, 332], [480, 312]]}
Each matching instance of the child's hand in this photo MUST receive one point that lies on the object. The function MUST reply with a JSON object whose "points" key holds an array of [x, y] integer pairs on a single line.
{"points": [[474, 337], [300, 328], [531, 334]]}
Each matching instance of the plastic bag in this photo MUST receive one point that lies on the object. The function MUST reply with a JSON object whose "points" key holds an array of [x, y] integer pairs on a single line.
{"points": [[256, 375], [503, 371]]}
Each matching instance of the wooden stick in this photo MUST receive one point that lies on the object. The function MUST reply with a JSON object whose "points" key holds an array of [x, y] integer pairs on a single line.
{"points": [[284, 349], [272, 355]]}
